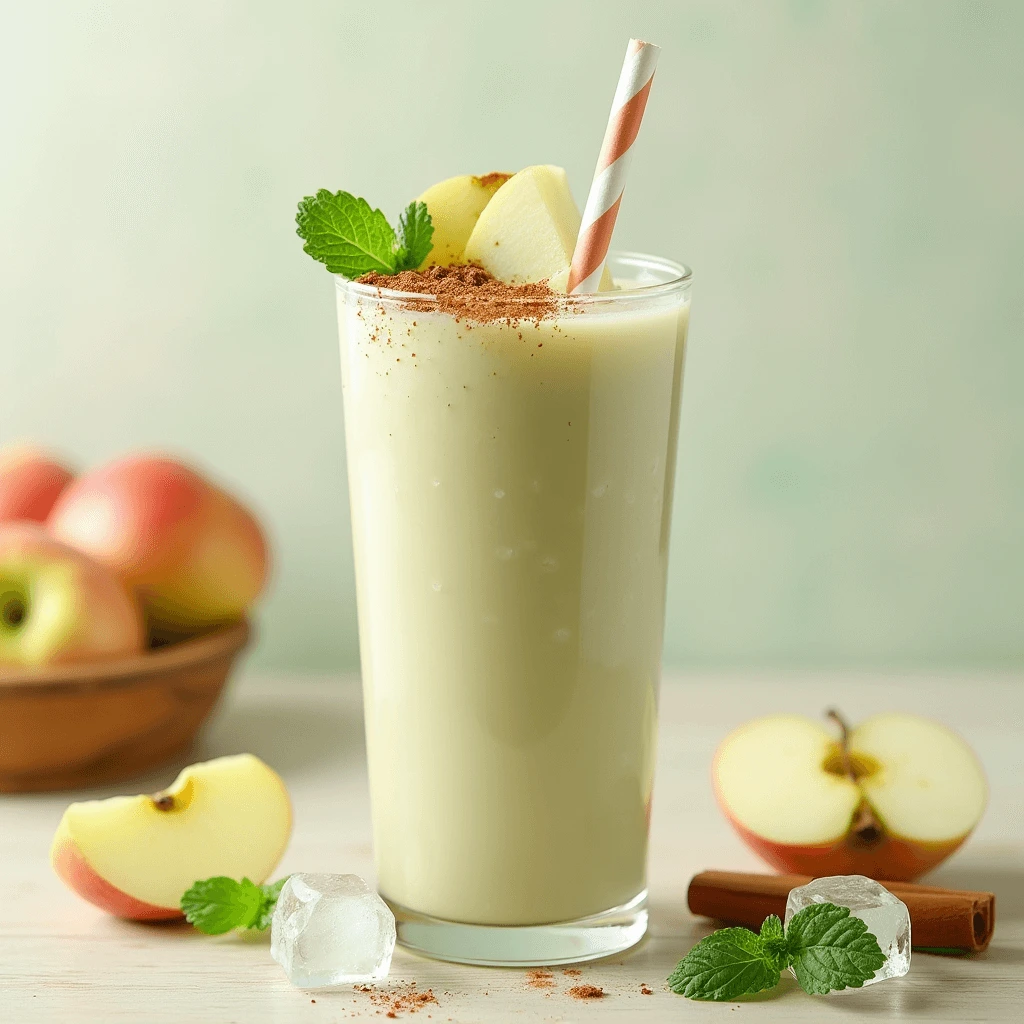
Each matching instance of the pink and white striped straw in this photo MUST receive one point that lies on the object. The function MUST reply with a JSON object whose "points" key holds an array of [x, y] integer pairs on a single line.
{"points": [[610, 176]]}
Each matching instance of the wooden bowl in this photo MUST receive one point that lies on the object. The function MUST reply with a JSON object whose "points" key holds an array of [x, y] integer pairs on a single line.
{"points": [[81, 725]]}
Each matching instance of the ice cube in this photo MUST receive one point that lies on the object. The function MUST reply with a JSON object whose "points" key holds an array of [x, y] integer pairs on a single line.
{"points": [[331, 930], [886, 917]]}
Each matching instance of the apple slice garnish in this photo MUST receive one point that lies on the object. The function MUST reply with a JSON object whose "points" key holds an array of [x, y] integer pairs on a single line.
{"points": [[455, 205], [527, 232], [889, 799], [134, 856]]}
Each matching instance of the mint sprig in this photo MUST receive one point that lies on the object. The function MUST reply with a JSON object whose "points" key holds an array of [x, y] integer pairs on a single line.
{"points": [[827, 948], [217, 905], [352, 239]]}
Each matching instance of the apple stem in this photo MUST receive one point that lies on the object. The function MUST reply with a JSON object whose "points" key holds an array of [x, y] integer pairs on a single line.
{"points": [[865, 828], [163, 802], [844, 742]]}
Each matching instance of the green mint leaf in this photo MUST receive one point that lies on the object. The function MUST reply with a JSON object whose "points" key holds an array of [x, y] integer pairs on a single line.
{"points": [[771, 928], [216, 905], [345, 234], [774, 943], [268, 903], [831, 950], [729, 963], [415, 231]]}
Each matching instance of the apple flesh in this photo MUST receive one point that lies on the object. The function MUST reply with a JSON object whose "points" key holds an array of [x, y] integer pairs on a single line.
{"points": [[892, 799], [30, 483], [134, 856], [454, 206], [58, 606], [195, 555], [528, 231]]}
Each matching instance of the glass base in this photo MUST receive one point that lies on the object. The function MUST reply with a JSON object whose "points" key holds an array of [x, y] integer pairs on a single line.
{"points": [[540, 945]]}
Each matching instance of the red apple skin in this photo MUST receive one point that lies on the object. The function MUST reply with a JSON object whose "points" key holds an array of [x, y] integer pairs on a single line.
{"points": [[30, 483], [74, 870], [894, 858], [103, 619], [195, 555]]}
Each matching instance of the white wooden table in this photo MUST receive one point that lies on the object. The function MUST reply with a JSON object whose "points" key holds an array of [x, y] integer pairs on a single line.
{"points": [[63, 960]]}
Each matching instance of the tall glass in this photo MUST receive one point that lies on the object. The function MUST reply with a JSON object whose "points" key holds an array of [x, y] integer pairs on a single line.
{"points": [[511, 489]]}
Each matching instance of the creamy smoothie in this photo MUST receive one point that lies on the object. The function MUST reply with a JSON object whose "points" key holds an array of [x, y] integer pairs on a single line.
{"points": [[511, 488]]}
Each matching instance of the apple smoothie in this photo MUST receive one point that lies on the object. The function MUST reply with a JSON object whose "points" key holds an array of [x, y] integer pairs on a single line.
{"points": [[511, 486]]}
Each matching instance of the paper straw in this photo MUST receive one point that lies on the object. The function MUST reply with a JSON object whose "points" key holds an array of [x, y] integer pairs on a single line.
{"points": [[613, 163]]}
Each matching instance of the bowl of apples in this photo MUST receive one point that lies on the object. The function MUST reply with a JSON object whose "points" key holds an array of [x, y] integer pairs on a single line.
{"points": [[124, 595]]}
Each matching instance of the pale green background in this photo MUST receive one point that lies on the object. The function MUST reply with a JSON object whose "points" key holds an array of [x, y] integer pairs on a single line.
{"points": [[846, 178]]}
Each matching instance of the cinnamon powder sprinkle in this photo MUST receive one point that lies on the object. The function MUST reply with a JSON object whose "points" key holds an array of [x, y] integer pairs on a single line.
{"points": [[494, 178], [646, 990], [469, 292], [586, 992], [572, 972], [396, 999], [540, 978]]}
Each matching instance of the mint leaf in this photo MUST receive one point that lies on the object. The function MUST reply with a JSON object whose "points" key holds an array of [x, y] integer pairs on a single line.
{"points": [[831, 950], [774, 943], [729, 963], [415, 231], [268, 903], [342, 232], [216, 905]]}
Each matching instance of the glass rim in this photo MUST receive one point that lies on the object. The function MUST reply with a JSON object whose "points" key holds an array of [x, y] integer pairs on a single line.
{"points": [[681, 277]]}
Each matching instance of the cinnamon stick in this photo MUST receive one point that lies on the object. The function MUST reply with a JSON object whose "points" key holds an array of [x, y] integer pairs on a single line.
{"points": [[940, 919]]}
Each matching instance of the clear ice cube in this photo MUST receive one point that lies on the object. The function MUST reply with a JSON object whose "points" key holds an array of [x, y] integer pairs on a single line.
{"points": [[886, 917], [331, 930]]}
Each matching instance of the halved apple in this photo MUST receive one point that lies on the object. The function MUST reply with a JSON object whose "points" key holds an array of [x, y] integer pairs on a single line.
{"points": [[527, 232], [454, 206], [134, 856], [890, 799]]}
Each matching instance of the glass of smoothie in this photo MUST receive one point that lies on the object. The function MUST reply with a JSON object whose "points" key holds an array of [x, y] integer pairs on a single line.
{"points": [[511, 472]]}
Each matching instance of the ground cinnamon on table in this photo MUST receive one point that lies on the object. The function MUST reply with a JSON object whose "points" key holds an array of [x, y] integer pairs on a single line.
{"points": [[398, 998], [940, 919], [468, 292], [586, 992], [540, 978]]}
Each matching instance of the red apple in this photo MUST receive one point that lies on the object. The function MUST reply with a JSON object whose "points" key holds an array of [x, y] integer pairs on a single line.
{"points": [[890, 799], [57, 605], [195, 555], [30, 483], [134, 856]]}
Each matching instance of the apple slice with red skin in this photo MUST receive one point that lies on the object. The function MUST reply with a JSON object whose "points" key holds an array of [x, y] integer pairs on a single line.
{"points": [[134, 856], [890, 799]]}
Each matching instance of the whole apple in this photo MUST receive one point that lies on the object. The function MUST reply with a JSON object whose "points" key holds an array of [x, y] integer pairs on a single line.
{"points": [[195, 555], [30, 483], [59, 606], [889, 799]]}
